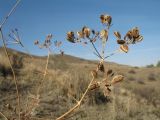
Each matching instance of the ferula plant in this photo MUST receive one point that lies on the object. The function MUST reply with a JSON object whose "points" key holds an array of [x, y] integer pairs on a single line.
{"points": [[87, 36]]}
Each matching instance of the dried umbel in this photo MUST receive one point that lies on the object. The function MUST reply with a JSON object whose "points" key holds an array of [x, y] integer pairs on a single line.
{"points": [[14, 38], [88, 36], [48, 43]]}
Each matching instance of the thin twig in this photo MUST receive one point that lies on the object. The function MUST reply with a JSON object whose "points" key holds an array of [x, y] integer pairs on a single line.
{"points": [[78, 104], [45, 73], [117, 51], [7, 16], [3, 115], [13, 72]]}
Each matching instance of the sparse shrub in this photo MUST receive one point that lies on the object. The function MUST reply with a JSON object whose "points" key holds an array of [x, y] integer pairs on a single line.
{"points": [[158, 64], [150, 66], [151, 77], [131, 79], [132, 71], [140, 81]]}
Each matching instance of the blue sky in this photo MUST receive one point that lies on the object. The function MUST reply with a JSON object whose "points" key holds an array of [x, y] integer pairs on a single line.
{"points": [[37, 18]]}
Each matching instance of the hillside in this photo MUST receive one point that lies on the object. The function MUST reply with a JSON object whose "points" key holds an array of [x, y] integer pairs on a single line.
{"points": [[136, 98]]}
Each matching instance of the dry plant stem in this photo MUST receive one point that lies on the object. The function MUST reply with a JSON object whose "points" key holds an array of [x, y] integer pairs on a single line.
{"points": [[3, 115], [13, 73], [44, 75], [78, 104], [5, 19], [96, 50]]}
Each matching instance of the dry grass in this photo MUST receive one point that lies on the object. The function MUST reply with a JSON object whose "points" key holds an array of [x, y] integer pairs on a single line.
{"points": [[57, 100]]}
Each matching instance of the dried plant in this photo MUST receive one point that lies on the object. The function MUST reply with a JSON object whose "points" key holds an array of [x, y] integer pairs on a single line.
{"points": [[88, 36], [6, 52], [35, 99]]}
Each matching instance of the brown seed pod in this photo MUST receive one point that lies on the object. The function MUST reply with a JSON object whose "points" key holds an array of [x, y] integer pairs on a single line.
{"points": [[80, 34], [128, 35], [135, 32], [104, 34], [117, 34], [140, 38], [36, 42], [101, 67], [117, 78], [121, 42], [71, 37], [86, 31], [94, 73], [95, 85], [106, 19], [124, 48], [106, 92]]}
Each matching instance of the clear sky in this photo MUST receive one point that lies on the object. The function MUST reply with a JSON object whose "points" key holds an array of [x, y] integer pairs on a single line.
{"points": [[36, 18]]}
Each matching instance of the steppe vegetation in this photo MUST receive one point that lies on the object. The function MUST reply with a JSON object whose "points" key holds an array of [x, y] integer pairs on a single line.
{"points": [[60, 86]]}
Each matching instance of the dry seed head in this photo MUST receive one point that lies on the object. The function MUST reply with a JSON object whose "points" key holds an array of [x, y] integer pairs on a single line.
{"points": [[117, 34], [117, 78], [70, 37], [121, 42], [104, 34], [124, 48]]}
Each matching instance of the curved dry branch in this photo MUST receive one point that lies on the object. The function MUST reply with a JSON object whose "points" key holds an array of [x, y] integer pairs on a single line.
{"points": [[78, 103]]}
